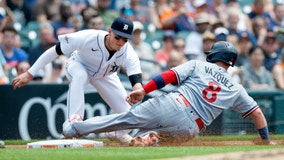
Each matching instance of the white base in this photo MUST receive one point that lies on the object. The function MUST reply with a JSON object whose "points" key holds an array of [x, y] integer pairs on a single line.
{"points": [[66, 143]]}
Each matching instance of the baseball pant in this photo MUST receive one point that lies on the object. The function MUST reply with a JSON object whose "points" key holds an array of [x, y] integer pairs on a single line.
{"points": [[166, 113], [110, 89]]}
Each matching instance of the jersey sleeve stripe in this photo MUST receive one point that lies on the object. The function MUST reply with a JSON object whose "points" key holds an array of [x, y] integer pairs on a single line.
{"points": [[160, 81], [176, 80], [249, 112]]}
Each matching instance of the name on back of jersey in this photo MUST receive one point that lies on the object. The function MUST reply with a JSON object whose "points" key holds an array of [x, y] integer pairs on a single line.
{"points": [[219, 77]]}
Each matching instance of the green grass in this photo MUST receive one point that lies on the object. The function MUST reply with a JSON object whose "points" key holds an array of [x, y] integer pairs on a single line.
{"points": [[119, 152], [128, 153]]}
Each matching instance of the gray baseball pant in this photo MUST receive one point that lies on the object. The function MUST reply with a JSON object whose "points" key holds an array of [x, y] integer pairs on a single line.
{"points": [[165, 113]]}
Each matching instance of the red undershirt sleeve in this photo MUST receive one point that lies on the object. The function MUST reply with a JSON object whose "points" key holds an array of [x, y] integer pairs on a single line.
{"points": [[160, 81]]}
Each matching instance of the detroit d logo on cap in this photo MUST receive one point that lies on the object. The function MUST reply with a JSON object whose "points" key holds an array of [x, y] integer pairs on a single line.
{"points": [[125, 27]]}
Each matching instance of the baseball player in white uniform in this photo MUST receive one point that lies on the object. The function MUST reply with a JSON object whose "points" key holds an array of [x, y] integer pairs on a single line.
{"points": [[204, 90], [95, 58]]}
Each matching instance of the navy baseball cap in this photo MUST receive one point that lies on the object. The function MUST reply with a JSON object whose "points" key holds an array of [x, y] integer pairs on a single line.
{"points": [[122, 27]]}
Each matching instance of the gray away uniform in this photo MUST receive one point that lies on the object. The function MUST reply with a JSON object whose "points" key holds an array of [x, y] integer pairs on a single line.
{"points": [[204, 90]]}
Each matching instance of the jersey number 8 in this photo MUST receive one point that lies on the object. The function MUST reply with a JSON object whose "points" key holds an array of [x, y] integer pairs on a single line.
{"points": [[212, 90]]}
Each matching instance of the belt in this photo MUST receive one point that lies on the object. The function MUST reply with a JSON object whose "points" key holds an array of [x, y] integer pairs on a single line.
{"points": [[198, 120]]}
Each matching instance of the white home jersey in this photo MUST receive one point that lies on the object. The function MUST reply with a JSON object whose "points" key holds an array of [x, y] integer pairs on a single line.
{"points": [[87, 47]]}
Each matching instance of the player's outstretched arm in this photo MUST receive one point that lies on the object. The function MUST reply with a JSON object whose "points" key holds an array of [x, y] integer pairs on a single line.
{"points": [[22, 80], [43, 60], [261, 125], [157, 82]]}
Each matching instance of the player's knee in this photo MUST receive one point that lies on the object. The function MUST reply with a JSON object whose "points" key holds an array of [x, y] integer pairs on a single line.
{"points": [[81, 77]]}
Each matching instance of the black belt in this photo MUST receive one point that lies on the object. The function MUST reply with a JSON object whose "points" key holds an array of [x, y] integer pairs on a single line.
{"points": [[197, 120]]}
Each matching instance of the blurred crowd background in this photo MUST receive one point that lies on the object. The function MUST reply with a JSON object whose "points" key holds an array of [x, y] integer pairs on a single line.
{"points": [[166, 33]]}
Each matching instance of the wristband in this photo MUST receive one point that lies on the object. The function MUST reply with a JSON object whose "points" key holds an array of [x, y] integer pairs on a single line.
{"points": [[136, 78], [263, 132]]}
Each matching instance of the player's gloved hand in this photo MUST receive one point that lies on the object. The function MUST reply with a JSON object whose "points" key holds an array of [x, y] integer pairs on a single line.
{"points": [[135, 96], [22, 80]]}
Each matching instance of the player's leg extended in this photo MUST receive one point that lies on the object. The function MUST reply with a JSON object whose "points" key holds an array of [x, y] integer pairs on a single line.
{"points": [[78, 77], [142, 116], [114, 94]]}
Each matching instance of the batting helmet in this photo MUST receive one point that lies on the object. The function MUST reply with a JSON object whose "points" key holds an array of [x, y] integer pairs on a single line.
{"points": [[222, 51]]}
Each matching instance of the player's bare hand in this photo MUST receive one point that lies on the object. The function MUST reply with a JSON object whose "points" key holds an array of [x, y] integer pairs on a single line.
{"points": [[150, 139], [22, 80], [135, 96]]}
